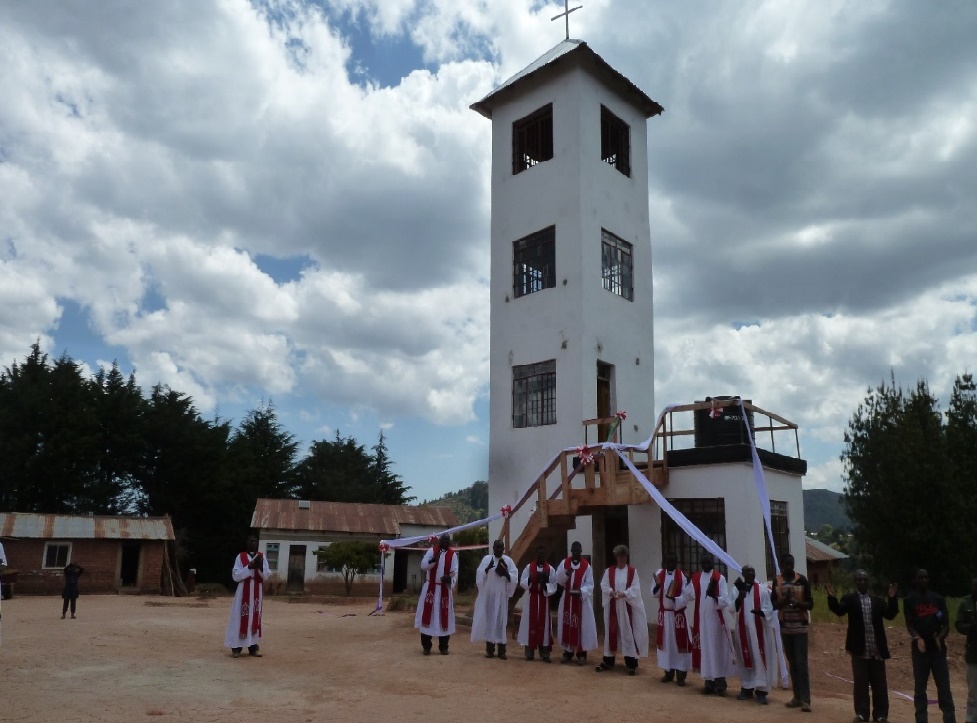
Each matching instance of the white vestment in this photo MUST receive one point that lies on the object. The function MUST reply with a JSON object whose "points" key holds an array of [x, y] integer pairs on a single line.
{"points": [[762, 674], [490, 620], [588, 624], [241, 572], [716, 644], [547, 591], [434, 629], [632, 628], [669, 657]]}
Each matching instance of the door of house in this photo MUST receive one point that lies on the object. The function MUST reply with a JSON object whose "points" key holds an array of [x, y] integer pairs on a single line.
{"points": [[605, 373], [296, 569], [616, 530], [129, 566], [400, 570]]}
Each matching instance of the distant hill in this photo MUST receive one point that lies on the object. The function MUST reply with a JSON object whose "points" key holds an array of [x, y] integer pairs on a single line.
{"points": [[468, 504], [824, 507]]}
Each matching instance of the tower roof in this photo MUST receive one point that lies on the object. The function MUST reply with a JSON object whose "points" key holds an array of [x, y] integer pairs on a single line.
{"points": [[555, 60]]}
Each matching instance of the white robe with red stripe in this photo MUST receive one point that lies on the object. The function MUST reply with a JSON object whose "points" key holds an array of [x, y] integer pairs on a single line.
{"points": [[669, 655], [762, 675], [490, 619], [547, 592], [632, 637], [588, 623], [717, 659], [434, 629], [240, 573]]}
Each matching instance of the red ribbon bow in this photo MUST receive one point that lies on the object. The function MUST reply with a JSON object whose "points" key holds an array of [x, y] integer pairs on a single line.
{"points": [[506, 510], [621, 415]]}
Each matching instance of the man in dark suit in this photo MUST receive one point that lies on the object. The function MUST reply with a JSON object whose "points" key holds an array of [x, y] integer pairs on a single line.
{"points": [[866, 643]]}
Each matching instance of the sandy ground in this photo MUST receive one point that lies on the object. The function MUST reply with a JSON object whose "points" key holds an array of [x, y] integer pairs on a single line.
{"points": [[156, 659]]}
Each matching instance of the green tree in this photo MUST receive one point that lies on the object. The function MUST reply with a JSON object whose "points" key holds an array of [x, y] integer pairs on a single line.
{"points": [[263, 455], [341, 470], [392, 490], [351, 558], [468, 560]]}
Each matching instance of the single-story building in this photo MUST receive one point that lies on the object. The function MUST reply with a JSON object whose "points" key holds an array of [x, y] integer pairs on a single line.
{"points": [[119, 554], [822, 560], [291, 531]]}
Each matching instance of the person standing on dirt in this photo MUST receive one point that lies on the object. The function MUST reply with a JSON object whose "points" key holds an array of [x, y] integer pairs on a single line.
{"points": [[793, 601], [244, 627], [497, 578], [674, 645], [866, 644], [966, 624], [535, 626], [70, 593], [435, 614], [928, 622]]}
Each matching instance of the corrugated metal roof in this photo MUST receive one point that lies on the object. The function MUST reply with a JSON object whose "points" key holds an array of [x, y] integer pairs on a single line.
{"points": [[564, 48], [819, 552], [348, 517], [84, 527]]}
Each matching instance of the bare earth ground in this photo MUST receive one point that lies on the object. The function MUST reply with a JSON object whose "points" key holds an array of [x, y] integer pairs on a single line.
{"points": [[159, 659]]}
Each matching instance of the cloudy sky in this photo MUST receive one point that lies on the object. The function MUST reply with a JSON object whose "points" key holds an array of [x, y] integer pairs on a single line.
{"points": [[289, 201]]}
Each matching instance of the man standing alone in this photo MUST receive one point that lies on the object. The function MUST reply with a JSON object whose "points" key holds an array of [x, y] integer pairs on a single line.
{"points": [[967, 625], [244, 628], [792, 600], [867, 645], [928, 622], [496, 579]]}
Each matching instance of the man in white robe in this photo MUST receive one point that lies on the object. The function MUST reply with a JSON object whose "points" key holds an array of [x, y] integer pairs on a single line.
{"points": [[496, 579], [756, 645], [435, 615], [576, 629], [625, 621], [244, 627], [712, 645], [535, 627], [674, 656]]}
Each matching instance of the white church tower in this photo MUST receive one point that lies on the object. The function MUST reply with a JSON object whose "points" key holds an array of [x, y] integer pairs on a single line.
{"points": [[571, 278]]}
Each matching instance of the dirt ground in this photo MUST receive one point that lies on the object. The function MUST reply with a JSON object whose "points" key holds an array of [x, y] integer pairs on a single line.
{"points": [[158, 659]]}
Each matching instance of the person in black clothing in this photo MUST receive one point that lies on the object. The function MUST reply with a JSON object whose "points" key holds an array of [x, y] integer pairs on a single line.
{"points": [[928, 622], [70, 593], [866, 643], [966, 624]]}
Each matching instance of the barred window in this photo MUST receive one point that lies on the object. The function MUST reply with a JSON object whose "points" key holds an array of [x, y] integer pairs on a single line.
{"points": [[271, 555], [615, 141], [709, 515], [532, 139], [617, 265], [781, 535], [534, 394], [534, 262]]}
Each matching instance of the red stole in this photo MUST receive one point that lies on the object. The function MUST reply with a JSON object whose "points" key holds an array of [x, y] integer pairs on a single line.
{"points": [[696, 632], [678, 618], [612, 624], [745, 647], [444, 602], [573, 605], [251, 600], [538, 608]]}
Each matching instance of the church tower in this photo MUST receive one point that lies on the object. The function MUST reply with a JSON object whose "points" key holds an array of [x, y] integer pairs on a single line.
{"points": [[571, 275]]}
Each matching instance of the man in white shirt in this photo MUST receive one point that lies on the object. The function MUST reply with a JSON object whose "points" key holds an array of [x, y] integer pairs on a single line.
{"points": [[496, 579], [625, 621], [674, 656]]}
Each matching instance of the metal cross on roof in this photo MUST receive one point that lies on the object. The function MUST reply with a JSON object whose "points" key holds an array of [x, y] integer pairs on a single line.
{"points": [[566, 14]]}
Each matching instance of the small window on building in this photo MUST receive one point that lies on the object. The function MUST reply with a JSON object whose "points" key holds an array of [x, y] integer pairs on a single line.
{"points": [[271, 555], [781, 535], [320, 561], [56, 555], [709, 515], [532, 139], [534, 262], [534, 394], [617, 265], [615, 141]]}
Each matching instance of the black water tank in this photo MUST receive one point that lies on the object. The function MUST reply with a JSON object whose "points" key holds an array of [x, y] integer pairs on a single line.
{"points": [[722, 430]]}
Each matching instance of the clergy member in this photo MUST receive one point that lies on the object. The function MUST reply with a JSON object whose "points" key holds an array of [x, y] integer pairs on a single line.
{"points": [[756, 647], [625, 621], [244, 628], [712, 645], [576, 629], [673, 628], [436, 608], [539, 581], [496, 579]]}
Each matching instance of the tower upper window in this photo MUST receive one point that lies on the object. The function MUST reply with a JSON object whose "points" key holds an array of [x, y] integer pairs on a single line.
{"points": [[534, 262], [617, 265], [532, 139], [615, 141], [534, 394]]}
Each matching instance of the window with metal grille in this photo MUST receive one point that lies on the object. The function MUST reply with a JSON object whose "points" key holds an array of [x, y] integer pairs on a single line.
{"points": [[534, 394], [617, 265], [534, 262], [56, 555], [709, 515], [271, 555], [615, 141], [781, 535], [532, 139]]}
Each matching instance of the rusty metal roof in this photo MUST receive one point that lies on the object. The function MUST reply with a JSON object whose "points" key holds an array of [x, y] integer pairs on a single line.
{"points": [[84, 527], [384, 520], [819, 552]]}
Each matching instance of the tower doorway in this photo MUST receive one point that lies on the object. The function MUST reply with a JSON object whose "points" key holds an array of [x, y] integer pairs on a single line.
{"points": [[605, 384]]}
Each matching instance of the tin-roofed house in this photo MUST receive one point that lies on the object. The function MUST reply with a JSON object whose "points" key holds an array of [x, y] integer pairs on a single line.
{"points": [[292, 531], [822, 561], [119, 554]]}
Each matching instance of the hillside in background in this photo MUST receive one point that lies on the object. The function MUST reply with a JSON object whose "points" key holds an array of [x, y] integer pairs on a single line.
{"points": [[469, 504], [824, 507]]}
